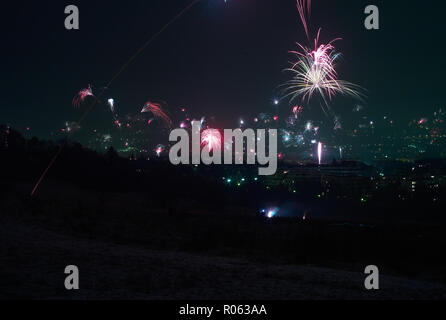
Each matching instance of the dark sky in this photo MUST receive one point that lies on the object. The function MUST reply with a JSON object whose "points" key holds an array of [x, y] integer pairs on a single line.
{"points": [[222, 60]]}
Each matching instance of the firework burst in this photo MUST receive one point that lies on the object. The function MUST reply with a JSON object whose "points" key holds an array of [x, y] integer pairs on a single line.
{"points": [[315, 73], [159, 150], [81, 96], [71, 127], [297, 110], [157, 110], [211, 138]]}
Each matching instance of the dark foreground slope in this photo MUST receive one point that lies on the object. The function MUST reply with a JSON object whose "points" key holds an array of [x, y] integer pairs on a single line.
{"points": [[33, 261], [128, 248]]}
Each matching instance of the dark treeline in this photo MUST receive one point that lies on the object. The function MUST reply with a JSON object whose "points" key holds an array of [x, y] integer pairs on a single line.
{"points": [[24, 160]]}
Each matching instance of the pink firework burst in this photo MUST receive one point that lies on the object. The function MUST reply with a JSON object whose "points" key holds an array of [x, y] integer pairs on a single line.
{"points": [[211, 138], [297, 110], [321, 60], [81, 96], [157, 110], [159, 150], [315, 73]]}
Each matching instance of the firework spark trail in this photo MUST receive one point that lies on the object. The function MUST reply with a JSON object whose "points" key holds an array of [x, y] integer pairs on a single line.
{"points": [[152, 39], [158, 112], [304, 8], [61, 146], [145, 45], [323, 55]]}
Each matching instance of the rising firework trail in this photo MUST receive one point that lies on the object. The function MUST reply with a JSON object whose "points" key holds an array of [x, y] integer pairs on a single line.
{"points": [[132, 58], [304, 8], [111, 105], [319, 152]]}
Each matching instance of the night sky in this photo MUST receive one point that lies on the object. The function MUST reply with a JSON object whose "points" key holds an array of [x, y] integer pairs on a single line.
{"points": [[220, 59]]}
